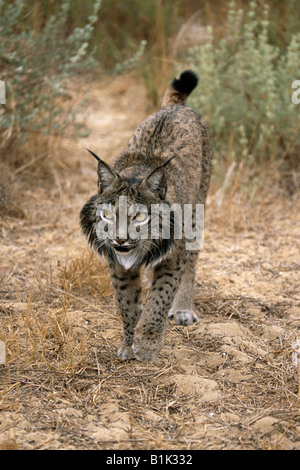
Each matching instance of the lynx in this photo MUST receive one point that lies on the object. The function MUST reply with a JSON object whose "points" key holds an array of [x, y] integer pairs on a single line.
{"points": [[167, 160]]}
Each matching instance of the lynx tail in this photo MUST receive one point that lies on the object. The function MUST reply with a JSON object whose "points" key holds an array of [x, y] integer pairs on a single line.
{"points": [[180, 88]]}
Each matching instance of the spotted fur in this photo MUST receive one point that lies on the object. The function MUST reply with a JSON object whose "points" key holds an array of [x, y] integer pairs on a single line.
{"points": [[167, 159]]}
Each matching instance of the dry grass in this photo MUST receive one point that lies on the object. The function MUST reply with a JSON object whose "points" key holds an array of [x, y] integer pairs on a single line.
{"points": [[226, 382]]}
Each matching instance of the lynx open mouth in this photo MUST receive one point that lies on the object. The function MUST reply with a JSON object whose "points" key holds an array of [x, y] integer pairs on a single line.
{"points": [[124, 249]]}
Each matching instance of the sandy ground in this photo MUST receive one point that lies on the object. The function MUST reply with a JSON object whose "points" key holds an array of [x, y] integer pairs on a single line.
{"points": [[229, 381]]}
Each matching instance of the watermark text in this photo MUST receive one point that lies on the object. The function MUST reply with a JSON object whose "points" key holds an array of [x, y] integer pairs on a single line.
{"points": [[2, 92], [161, 221], [296, 94]]}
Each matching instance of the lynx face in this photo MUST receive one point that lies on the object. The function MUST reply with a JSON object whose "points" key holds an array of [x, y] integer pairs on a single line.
{"points": [[122, 216]]}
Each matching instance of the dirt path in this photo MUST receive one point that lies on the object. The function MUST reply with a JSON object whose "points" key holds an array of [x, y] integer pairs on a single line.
{"points": [[230, 381]]}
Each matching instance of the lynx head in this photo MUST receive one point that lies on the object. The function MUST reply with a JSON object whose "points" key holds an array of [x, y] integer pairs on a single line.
{"points": [[118, 220]]}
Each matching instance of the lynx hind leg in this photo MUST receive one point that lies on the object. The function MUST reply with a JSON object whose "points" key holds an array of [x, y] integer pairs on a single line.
{"points": [[182, 310]]}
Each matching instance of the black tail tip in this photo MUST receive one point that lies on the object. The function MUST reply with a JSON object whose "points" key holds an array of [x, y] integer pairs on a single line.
{"points": [[187, 81]]}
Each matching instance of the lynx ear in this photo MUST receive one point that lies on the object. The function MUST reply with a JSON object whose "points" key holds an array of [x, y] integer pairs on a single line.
{"points": [[156, 181], [106, 176]]}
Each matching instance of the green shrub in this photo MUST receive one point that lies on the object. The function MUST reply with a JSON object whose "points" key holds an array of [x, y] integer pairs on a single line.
{"points": [[35, 66], [245, 88]]}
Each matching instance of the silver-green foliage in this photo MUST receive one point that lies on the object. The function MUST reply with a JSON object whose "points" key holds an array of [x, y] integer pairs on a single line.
{"points": [[133, 61], [35, 66], [245, 88]]}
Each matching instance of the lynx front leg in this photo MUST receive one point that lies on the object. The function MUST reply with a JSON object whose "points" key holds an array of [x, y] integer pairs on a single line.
{"points": [[127, 285], [182, 310], [150, 330]]}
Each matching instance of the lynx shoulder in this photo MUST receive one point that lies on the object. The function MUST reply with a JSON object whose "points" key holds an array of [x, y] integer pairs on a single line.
{"points": [[145, 214]]}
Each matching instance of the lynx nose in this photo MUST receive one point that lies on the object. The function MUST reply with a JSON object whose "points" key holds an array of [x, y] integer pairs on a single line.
{"points": [[120, 241]]}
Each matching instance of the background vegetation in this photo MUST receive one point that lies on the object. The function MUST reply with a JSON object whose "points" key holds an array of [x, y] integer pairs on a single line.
{"points": [[245, 87], [247, 56]]}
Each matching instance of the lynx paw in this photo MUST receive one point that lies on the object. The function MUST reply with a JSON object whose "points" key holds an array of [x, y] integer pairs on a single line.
{"points": [[145, 352], [125, 352], [146, 347], [183, 317]]}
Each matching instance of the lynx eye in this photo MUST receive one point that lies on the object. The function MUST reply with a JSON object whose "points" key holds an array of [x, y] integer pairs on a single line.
{"points": [[107, 214], [141, 216]]}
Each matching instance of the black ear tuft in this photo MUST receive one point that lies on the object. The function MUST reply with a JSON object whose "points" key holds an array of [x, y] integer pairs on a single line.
{"points": [[94, 155]]}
